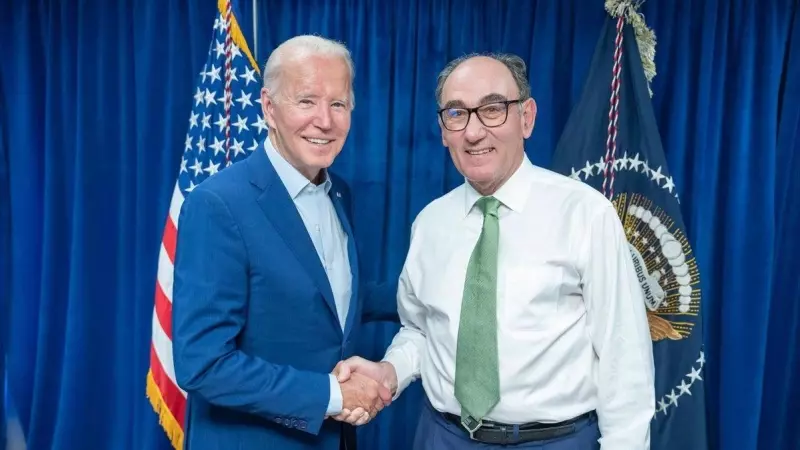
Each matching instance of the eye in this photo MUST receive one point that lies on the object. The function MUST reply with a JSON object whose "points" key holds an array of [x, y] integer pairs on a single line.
{"points": [[493, 109], [339, 105], [455, 113], [305, 102]]}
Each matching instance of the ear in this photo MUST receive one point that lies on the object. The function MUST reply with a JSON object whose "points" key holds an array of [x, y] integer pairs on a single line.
{"points": [[528, 117], [268, 108]]}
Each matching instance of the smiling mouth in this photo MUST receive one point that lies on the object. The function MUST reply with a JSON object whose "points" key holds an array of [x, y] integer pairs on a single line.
{"points": [[316, 141], [480, 151]]}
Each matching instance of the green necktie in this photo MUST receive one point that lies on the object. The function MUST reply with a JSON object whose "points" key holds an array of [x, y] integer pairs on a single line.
{"points": [[477, 385]]}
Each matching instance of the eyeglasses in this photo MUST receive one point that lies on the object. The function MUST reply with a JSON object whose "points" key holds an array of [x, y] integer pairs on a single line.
{"points": [[491, 115]]}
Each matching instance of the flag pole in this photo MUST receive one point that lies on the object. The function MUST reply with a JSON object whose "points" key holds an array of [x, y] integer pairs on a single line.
{"points": [[255, 29]]}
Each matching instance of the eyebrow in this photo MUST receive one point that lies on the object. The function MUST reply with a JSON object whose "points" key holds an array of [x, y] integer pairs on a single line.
{"points": [[490, 98], [305, 94], [308, 95]]}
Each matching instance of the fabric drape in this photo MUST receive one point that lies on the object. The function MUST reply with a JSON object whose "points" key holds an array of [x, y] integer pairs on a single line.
{"points": [[95, 106], [98, 98]]}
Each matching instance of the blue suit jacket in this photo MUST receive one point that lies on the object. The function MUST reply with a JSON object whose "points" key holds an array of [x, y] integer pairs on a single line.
{"points": [[255, 329]]}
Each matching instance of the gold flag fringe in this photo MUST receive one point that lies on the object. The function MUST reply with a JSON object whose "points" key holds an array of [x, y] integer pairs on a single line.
{"points": [[645, 37], [165, 417]]}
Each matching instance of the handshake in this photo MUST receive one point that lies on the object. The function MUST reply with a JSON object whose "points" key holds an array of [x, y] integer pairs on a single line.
{"points": [[367, 387]]}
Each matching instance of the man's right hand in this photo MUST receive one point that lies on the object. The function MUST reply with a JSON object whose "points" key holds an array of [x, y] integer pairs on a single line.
{"points": [[357, 368], [382, 372], [363, 395]]}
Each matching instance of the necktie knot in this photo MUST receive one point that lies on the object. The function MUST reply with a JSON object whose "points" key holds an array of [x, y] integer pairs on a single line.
{"points": [[488, 205]]}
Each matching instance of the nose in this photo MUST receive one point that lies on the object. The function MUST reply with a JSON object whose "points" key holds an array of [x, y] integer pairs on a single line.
{"points": [[475, 131], [323, 118]]}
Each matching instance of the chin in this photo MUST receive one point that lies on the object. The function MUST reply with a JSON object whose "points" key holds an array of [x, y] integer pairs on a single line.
{"points": [[320, 162], [481, 175]]}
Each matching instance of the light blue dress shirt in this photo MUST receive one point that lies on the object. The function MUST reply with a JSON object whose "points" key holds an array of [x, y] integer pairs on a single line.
{"points": [[326, 232]]}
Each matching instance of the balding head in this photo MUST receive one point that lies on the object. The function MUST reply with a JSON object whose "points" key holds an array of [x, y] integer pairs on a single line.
{"points": [[514, 65]]}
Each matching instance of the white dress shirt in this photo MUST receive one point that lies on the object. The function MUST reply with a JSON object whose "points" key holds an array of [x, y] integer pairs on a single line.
{"points": [[571, 324], [326, 232]]}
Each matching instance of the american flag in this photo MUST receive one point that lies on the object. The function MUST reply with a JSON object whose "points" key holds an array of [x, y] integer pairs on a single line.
{"points": [[225, 125]]}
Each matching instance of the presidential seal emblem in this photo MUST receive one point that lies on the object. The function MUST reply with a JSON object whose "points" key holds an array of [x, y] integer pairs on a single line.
{"points": [[663, 261]]}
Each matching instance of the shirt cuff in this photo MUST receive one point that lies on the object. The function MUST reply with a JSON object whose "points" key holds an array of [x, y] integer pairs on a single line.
{"points": [[403, 368], [335, 403]]}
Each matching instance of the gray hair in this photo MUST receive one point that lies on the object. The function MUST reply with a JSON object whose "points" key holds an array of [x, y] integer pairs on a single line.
{"points": [[514, 63], [299, 48]]}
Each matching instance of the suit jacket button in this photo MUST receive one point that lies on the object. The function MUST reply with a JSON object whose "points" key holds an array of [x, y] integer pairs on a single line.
{"points": [[287, 422], [279, 420], [301, 424]]}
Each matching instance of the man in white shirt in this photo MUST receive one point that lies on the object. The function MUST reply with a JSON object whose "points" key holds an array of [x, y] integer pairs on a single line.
{"points": [[519, 304]]}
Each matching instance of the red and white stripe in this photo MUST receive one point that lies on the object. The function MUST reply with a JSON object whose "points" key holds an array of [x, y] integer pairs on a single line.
{"points": [[161, 363]]}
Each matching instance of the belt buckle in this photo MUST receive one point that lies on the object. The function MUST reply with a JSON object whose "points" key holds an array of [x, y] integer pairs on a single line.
{"points": [[471, 425]]}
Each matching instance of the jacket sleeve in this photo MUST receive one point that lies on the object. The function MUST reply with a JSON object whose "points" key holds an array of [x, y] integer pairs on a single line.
{"points": [[210, 296]]}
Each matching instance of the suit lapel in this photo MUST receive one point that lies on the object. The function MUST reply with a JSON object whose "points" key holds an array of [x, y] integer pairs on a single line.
{"points": [[352, 256], [282, 213]]}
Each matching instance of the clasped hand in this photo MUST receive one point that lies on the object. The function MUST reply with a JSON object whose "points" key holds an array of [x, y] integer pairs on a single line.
{"points": [[366, 389]]}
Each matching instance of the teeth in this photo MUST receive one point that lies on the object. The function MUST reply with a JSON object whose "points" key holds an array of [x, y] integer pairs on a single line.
{"points": [[479, 152], [318, 141]]}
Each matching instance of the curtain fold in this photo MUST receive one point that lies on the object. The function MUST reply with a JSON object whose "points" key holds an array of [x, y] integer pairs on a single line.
{"points": [[781, 387], [94, 107], [5, 256], [98, 98]]}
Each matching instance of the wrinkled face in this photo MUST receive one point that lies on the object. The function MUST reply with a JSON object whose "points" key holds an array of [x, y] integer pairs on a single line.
{"points": [[487, 153], [309, 115]]}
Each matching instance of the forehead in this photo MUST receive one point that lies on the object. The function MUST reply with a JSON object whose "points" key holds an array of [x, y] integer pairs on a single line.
{"points": [[317, 73], [477, 78]]}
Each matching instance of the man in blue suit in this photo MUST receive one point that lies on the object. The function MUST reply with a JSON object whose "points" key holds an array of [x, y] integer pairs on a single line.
{"points": [[267, 297]]}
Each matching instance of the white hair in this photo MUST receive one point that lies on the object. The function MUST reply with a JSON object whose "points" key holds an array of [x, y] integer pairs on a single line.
{"points": [[299, 48]]}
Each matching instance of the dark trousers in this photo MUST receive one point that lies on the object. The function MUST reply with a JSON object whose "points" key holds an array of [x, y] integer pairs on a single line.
{"points": [[348, 438], [434, 432]]}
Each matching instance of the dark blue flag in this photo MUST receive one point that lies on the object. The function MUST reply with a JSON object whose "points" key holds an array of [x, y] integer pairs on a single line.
{"points": [[612, 143]]}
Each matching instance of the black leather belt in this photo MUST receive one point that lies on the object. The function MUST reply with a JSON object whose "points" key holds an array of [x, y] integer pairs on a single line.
{"points": [[490, 432]]}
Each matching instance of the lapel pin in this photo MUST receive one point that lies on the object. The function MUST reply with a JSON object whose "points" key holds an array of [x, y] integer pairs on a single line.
{"points": [[339, 194]]}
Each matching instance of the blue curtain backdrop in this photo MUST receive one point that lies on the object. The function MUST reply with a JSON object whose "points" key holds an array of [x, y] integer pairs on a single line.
{"points": [[96, 101], [98, 97], [5, 261]]}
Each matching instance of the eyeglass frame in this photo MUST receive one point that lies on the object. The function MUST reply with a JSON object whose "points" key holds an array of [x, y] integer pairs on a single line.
{"points": [[469, 111]]}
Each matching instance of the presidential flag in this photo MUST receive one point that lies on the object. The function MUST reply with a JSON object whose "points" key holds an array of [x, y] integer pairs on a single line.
{"points": [[224, 126], [612, 143]]}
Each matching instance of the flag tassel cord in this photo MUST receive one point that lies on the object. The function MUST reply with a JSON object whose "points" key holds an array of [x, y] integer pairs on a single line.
{"points": [[645, 37], [237, 35]]}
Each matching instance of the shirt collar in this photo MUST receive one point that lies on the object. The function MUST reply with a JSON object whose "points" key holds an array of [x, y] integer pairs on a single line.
{"points": [[513, 194], [294, 181]]}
